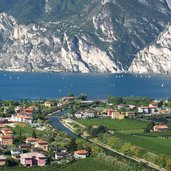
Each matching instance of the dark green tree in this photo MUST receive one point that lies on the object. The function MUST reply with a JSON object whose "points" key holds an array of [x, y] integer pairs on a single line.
{"points": [[149, 126], [34, 134]]}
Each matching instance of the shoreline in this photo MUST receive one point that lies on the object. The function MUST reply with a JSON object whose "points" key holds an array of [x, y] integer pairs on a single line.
{"points": [[84, 73]]}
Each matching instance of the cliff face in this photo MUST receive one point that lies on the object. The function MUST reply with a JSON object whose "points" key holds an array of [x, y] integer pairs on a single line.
{"points": [[156, 58], [82, 36]]}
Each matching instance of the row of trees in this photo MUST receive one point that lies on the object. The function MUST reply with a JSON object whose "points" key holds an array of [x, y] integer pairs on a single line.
{"points": [[129, 100]]}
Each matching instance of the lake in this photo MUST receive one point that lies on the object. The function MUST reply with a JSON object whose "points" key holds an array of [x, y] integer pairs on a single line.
{"points": [[16, 85]]}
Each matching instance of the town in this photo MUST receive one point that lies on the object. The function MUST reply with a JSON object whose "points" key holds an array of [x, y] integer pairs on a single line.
{"points": [[118, 124]]}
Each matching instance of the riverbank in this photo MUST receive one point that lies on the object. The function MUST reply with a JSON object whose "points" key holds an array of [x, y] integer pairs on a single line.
{"points": [[69, 124]]}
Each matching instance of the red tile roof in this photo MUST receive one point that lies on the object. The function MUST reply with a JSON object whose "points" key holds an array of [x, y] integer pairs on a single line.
{"points": [[81, 152], [6, 137], [41, 142], [31, 139], [161, 127]]}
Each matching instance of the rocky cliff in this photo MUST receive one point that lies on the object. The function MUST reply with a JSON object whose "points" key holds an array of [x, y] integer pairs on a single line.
{"points": [[84, 36], [155, 58]]}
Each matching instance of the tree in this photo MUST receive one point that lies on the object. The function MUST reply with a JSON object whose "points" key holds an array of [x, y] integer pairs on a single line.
{"points": [[115, 100], [82, 96], [149, 126], [34, 134], [72, 145], [12, 162]]}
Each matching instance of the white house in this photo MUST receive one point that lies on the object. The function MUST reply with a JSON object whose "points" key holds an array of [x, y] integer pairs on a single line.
{"points": [[80, 154]]}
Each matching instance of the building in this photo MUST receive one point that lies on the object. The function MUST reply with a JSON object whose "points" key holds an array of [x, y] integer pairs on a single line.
{"points": [[47, 104], [25, 146], [31, 140], [42, 144], [7, 131], [144, 110], [2, 160], [15, 153], [85, 115], [130, 114], [33, 158], [22, 118], [109, 112], [154, 104], [68, 98], [37, 149], [117, 115], [159, 128], [80, 154], [123, 107], [6, 140], [62, 155], [147, 110]]}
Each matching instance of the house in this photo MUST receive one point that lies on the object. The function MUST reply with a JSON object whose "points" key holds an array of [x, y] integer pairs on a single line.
{"points": [[154, 104], [153, 109], [22, 118], [68, 98], [123, 107], [164, 111], [117, 115], [2, 160], [23, 115], [147, 109], [42, 144], [37, 149], [33, 158], [25, 146], [130, 114], [80, 154], [18, 109], [31, 140], [7, 131], [47, 104], [109, 112], [61, 155], [85, 115], [15, 153], [78, 115], [159, 128], [144, 110], [6, 140]]}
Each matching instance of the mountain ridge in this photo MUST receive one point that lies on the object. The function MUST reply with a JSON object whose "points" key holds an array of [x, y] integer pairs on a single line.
{"points": [[78, 36]]}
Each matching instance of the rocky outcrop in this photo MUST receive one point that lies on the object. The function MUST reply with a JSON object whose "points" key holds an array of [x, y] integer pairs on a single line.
{"points": [[35, 48], [156, 58]]}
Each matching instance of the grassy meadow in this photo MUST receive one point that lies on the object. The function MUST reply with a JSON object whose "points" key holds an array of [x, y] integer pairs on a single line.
{"points": [[125, 124]]}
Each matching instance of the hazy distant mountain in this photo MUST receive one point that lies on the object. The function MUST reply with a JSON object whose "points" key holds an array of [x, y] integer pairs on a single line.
{"points": [[85, 35]]}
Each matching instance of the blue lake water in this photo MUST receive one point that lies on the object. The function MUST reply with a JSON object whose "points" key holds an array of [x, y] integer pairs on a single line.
{"points": [[97, 86]]}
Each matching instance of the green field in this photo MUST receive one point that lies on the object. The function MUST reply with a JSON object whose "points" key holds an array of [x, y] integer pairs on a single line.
{"points": [[89, 164], [152, 144], [125, 124]]}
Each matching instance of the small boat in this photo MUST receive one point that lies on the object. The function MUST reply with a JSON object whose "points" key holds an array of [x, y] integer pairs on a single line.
{"points": [[162, 85]]}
